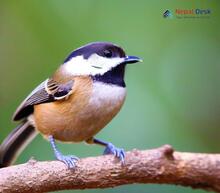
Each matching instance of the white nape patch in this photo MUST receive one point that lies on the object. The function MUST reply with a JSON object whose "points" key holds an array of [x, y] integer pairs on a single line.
{"points": [[94, 65], [112, 95]]}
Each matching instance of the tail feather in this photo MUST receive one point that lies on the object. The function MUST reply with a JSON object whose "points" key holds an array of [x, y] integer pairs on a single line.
{"points": [[16, 141]]}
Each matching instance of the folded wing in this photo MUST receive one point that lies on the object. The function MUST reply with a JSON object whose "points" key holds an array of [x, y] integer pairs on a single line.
{"points": [[47, 91]]}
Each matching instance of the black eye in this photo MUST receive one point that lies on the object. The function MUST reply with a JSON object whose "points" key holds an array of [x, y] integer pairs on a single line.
{"points": [[107, 53]]}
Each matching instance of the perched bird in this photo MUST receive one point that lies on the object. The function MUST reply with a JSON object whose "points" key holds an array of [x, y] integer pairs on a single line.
{"points": [[74, 104]]}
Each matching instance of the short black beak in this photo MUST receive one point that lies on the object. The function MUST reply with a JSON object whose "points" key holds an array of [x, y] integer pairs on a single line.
{"points": [[131, 59]]}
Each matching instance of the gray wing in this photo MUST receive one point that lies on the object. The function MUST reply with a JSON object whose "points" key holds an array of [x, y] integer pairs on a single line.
{"points": [[47, 91]]}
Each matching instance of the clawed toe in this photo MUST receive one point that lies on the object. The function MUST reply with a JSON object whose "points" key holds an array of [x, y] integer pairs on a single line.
{"points": [[69, 160], [117, 152]]}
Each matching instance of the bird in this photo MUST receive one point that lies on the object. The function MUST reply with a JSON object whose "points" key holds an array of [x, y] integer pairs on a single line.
{"points": [[83, 95]]}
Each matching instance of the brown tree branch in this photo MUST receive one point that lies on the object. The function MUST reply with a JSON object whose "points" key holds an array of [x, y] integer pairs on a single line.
{"points": [[162, 166]]}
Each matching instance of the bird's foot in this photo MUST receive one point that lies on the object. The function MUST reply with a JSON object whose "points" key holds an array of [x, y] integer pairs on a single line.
{"points": [[69, 160], [117, 152]]}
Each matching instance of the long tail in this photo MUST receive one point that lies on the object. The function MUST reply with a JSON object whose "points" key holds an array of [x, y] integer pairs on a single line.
{"points": [[15, 142]]}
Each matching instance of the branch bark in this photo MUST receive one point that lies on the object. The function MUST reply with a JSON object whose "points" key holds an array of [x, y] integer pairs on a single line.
{"points": [[161, 166]]}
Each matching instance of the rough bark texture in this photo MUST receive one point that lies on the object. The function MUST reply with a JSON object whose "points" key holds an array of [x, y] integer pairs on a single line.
{"points": [[161, 165]]}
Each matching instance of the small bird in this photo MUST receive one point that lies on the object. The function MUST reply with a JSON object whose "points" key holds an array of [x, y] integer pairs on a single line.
{"points": [[74, 104]]}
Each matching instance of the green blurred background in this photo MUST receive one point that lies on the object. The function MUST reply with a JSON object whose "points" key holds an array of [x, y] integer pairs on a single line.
{"points": [[173, 96]]}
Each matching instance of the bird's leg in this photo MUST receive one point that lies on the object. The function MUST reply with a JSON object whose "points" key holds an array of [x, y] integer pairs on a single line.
{"points": [[69, 160], [109, 148]]}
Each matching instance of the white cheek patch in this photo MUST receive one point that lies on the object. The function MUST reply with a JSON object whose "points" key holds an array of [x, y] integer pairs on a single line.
{"points": [[94, 65]]}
